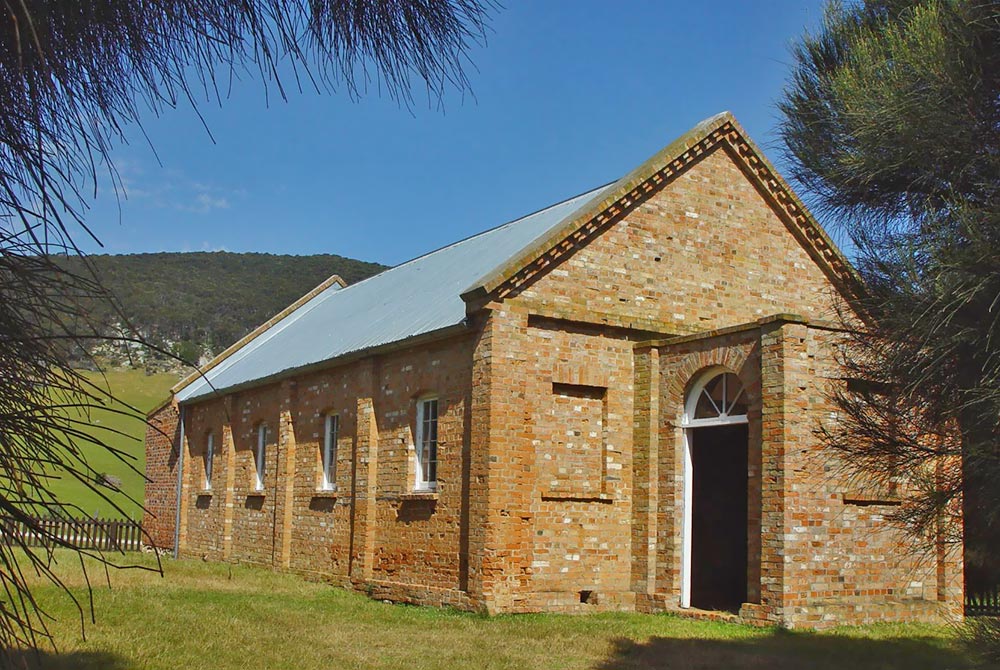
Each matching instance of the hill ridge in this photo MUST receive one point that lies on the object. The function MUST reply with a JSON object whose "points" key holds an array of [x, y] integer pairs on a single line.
{"points": [[195, 304]]}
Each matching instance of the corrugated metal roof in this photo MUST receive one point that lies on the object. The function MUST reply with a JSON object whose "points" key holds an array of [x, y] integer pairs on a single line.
{"points": [[417, 297]]}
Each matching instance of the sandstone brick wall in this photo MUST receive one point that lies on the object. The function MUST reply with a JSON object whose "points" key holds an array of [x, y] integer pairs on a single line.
{"points": [[843, 558], [404, 543], [321, 521], [561, 444], [418, 539], [815, 558], [704, 252], [256, 515], [159, 517], [202, 525]]}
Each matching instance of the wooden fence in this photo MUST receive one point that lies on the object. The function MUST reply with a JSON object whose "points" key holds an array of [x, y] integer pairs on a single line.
{"points": [[102, 534], [982, 601]]}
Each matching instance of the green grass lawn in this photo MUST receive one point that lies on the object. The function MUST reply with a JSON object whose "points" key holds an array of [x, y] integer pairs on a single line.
{"points": [[143, 392], [211, 616]]}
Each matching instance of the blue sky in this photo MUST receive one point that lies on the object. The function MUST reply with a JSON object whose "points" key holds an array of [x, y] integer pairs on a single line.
{"points": [[567, 96]]}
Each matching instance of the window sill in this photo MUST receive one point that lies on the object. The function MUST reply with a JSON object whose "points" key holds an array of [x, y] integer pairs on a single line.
{"points": [[326, 493], [419, 495], [578, 497], [868, 500]]}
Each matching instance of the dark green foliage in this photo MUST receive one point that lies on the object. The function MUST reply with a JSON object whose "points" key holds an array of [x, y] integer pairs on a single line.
{"points": [[892, 122], [200, 303], [187, 351]]}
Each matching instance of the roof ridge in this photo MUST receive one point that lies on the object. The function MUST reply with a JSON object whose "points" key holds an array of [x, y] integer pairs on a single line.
{"points": [[480, 234]]}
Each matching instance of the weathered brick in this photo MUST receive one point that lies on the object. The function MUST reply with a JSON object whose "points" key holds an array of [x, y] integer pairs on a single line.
{"points": [[561, 438]]}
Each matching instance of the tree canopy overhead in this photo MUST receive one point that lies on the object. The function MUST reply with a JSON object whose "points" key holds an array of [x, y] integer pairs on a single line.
{"points": [[892, 123], [892, 111], [73, 76]]}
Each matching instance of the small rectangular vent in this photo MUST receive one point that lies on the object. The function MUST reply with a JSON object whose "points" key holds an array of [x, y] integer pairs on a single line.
{"points": [[579, 391]]}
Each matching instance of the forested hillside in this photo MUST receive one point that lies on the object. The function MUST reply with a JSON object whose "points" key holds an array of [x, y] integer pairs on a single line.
{"points": [[196, 304]]}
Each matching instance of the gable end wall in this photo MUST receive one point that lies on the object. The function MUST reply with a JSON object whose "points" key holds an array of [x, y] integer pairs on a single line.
{"points": [[705, 252]]}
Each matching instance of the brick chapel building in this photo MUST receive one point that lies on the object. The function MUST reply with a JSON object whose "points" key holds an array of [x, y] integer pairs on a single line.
{"points": [[609, 404]]}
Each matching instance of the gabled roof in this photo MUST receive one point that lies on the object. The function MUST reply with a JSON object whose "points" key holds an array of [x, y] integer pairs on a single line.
{"points": [[331, 283], [418, 297], [621, 197], [435, 292]]}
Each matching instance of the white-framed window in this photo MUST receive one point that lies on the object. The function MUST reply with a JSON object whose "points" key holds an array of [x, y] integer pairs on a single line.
{"points": [[209, 457], [718, 398], [260, 457], [331, 433], [426, 443]]}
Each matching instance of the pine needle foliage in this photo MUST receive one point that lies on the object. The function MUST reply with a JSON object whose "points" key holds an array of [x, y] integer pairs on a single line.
{"points": [[892, 124], [73, 76]]}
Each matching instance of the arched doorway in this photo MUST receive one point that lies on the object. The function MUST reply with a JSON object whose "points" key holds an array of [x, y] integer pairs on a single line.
{"points": [[714, 570]]}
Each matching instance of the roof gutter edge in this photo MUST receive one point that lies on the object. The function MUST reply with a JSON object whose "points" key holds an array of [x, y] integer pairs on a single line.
{"points": [[201, 371], [414, 340]]}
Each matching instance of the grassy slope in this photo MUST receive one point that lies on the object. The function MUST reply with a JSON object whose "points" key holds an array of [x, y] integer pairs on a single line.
{"points": [[143, 392], [204, 615]]}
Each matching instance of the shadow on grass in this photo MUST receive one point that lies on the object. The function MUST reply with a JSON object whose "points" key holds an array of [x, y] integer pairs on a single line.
{"points": [[784, 650], [75, 660]]}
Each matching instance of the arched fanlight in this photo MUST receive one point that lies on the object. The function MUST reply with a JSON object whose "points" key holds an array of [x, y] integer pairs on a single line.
{"points": [[716, 398], [719, 398]]}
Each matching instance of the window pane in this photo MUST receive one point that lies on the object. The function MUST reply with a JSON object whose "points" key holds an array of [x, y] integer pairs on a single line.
{"points": [[722, 396], [427, 442], [736, 399], [716, 391], [706, 408], [325, 453], [209, 456], [261, 455], [432, 459], [330, 450]]}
